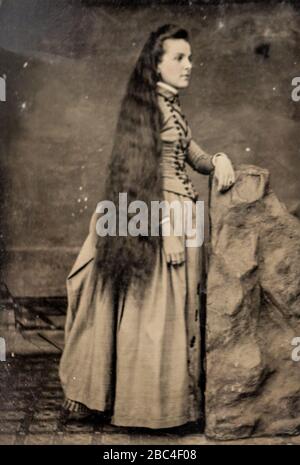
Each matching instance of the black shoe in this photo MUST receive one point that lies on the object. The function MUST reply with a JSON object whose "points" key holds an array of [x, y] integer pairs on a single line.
{"points": [[67, 416], [102, 418]]}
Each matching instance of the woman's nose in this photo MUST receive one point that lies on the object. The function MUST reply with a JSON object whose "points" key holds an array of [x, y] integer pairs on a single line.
{"points": [[188, 65]]}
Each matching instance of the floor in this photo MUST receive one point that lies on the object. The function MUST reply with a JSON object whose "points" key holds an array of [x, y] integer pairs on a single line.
{"points": [[31, 395]]}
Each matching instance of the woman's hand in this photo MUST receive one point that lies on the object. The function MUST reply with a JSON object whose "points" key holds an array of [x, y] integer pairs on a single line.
{"points": [[173, 247], [173, 250], [224, 172]]}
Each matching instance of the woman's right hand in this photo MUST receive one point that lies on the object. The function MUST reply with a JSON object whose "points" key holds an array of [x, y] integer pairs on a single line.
{"points": [[173, 250], [224, 172]]}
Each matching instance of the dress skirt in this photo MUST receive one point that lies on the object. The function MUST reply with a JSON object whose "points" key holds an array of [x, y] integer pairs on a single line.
{"points": [[138, 359]]}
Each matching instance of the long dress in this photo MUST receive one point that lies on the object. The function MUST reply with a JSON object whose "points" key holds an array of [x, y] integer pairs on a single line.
{"points": [[141, 359]]}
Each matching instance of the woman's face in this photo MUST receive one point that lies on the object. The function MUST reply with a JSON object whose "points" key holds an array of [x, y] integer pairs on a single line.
{"points": [[176, 63]]}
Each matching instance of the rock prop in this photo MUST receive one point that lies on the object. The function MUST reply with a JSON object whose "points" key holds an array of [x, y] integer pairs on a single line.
{"points": [[253, 312]]}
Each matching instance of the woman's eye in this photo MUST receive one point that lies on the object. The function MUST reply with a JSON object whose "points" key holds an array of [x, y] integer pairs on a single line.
{"points": [[179, 58]]}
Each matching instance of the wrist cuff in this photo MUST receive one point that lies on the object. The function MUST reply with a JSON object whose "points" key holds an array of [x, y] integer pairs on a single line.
{"points": [[166, 219], [218, 154]]}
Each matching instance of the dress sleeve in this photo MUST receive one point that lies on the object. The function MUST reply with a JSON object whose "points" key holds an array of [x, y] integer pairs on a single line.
{"points": [[198, 159]]}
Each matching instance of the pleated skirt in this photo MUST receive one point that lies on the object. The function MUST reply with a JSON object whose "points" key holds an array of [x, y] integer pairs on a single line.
{"points": [[140, 359]]}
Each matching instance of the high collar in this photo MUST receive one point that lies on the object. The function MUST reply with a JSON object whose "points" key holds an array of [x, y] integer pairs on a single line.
{"points": [[167, 91]]}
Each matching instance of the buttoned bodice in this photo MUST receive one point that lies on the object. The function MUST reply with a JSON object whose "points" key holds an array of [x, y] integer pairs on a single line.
{"points": [[178, 147]]}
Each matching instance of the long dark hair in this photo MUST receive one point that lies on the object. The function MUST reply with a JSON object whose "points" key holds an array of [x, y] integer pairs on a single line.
{"points": [[134, 166]]}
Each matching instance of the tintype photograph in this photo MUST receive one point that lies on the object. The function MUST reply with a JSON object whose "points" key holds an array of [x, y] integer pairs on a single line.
{"points": [[149, 222]]}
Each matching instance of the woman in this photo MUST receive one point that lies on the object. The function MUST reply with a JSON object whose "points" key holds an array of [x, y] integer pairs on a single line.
{"points": [[132, 334]]}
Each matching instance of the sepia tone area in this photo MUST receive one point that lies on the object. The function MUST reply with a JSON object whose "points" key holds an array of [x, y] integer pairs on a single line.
{"points": [[65, 81], [66, 65]]}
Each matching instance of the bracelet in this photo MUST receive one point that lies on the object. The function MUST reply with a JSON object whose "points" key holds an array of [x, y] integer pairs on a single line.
{"points": [[218, 154], [166, 219]]}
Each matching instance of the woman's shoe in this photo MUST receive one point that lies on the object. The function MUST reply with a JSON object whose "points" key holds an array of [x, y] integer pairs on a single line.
{"points": [[102, 418], [67, 416]]}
